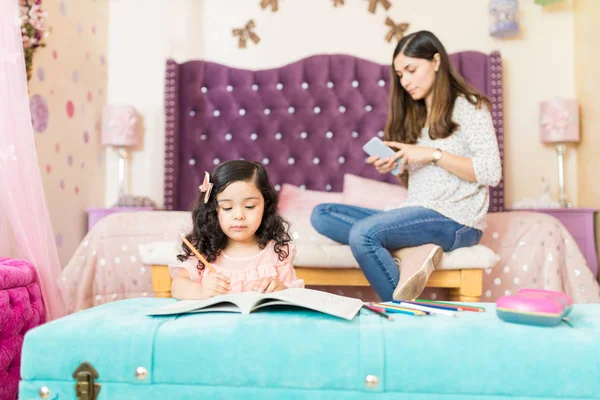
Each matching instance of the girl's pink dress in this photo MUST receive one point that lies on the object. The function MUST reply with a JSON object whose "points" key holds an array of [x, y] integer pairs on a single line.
{"points": [[244, 272]]}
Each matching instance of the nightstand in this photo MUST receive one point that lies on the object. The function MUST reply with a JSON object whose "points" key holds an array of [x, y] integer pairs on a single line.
{"points": [[580, 223], [96, 214]]}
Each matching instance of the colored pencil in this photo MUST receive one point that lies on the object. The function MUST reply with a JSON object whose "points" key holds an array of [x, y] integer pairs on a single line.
{"points": [[444, 307], [394, 308], [440, 311], [374, 311], [463, 306], [197, 254]]}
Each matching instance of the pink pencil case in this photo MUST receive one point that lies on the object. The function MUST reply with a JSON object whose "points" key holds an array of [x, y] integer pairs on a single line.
{"points": [[534, 307]]}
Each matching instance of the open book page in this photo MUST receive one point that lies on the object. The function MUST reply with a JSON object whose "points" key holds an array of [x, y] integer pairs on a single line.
{"points": [[332, 304], [246, 302]]}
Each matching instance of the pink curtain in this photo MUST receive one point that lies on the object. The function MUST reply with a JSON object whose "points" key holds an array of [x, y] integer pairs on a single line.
{"points": [[23, 204]]}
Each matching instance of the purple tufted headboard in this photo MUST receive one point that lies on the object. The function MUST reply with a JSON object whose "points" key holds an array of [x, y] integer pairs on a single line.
{"points": [[305, 121]]}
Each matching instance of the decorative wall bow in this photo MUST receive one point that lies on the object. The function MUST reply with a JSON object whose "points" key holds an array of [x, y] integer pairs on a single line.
{"points": [[373, 5], [396, 30], [246, 33], [273, 3]]}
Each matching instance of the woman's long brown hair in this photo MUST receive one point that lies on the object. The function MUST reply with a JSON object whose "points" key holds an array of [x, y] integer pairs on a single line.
{"points": [[407, 117]]}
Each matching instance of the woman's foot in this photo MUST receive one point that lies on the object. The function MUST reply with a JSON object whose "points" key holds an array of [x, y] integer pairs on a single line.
{"points": [[415, 268]]}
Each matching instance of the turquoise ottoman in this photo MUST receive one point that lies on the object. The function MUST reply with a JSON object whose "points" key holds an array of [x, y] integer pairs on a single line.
{"points": [[297, 354]]}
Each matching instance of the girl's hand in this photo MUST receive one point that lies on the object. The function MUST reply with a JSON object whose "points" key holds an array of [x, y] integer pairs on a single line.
{"points": [[269, 285], [410, 153], [214, 285]]}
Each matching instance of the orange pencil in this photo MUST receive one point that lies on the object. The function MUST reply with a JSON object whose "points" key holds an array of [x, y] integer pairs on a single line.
{"points": [[197, 254]]}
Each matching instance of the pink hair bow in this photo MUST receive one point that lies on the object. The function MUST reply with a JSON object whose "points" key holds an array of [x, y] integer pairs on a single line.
{"points": [[206, 187]]}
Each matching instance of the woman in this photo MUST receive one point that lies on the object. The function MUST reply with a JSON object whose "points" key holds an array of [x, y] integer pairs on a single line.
{"points": [[446, 147]]}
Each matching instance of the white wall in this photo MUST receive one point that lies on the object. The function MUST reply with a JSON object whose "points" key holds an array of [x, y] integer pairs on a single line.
{"points": [[539, 64]]}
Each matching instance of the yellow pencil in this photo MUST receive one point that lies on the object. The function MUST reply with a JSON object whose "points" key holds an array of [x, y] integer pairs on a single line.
{"points": [[197, 254]]}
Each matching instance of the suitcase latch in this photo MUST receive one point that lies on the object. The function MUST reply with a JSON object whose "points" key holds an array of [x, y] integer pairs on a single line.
{"points": [[85, 387]]}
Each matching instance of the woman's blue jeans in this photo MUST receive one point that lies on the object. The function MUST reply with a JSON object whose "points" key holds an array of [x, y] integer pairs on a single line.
{"points": [[371, 235]]}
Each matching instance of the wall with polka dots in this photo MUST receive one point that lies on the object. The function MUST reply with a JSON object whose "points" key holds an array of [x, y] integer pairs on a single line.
{"points": [[201, 29], [67, 93]]}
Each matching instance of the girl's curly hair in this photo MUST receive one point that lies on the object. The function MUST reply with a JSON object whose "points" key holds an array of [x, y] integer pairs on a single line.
{"points": [[207, 235]]}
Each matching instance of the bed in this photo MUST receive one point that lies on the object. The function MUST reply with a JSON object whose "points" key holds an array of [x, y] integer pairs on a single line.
{"points": [[306, 122]]}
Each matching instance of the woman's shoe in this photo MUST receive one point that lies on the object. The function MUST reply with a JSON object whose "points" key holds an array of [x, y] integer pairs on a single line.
{"points": [[415, 269]]}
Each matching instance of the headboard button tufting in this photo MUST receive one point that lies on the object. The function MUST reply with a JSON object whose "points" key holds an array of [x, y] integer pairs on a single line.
{"points": [[368, 108], [316, 161], [329, 135], [228, 136], [253, 136], [355, 84], [242, 111], [303, 135], [255, 87], [341, 160], [354, 134], [342, 109], [192, 113], [317, 110], [279, 86], [291, 161], [304, 85], [229, 88], [381, 83], [278, 136], [192, 161], [291, 110], [204, 89], [267, 111], [216, 113], [265, 161], [216, 161], [330, 84]]}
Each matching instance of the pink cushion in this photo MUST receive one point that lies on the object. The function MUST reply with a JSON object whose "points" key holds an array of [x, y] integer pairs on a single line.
{"points": [[302, 231], [294, 200], [369, 193]]}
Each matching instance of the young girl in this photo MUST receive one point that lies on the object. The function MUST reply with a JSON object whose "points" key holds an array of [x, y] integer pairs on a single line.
{"points": [[237, 229], [447, 151]]}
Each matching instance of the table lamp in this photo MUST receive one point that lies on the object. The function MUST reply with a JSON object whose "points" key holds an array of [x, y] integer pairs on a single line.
{"points": [[120, 131], [559, 124]]}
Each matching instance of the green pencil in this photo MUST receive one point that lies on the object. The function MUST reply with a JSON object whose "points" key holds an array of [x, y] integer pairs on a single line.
{"points": [[452, 304]]}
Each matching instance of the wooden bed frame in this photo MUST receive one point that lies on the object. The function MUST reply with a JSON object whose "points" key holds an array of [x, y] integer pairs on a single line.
{"points": [[464, 284]]}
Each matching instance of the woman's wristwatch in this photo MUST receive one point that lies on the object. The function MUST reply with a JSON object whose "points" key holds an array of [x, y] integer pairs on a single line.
{"points": [[437, 156]]}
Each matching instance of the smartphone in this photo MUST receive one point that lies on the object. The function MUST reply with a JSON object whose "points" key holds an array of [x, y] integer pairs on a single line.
{"points": [[375, 147]]}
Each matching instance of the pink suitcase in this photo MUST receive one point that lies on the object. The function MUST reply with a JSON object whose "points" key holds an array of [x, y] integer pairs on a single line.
{"points": [[534, 307]]}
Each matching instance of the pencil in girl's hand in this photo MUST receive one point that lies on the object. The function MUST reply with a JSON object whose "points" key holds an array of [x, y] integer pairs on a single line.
{"points": [[381, 314], [197, 254]]}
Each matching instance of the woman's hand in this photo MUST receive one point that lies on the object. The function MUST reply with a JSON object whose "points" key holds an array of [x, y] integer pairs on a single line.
{"points": [[409, 154], [268, 285], [214, 285]]}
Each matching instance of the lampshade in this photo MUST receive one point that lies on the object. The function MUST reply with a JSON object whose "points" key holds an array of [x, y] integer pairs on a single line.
{"points": [[119, 125], [559, 121]]}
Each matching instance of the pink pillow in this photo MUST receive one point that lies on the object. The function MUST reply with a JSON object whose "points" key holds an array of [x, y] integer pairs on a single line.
{"points": [[369, 193], [302, 231], [293, 200]]}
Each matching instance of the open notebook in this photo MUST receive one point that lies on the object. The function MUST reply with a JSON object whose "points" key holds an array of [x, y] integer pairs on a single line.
{"points": [[246, 302]]}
